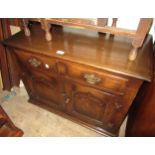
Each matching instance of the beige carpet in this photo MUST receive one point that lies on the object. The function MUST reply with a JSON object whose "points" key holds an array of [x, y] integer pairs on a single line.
{"points": [[35, 121]]}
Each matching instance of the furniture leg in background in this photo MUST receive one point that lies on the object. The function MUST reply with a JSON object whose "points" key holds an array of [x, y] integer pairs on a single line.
{"points": [[1, 85], [7, 128], [10, 77], [3, 62]]}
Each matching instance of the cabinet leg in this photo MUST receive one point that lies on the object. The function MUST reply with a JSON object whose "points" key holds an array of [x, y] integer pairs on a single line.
{"points": [[133, 54]]}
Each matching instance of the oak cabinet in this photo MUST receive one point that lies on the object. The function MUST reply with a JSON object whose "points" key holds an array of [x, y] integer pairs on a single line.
{"points": [[91, 83]]}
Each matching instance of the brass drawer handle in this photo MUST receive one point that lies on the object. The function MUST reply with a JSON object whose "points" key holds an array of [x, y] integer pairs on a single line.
{"points": [[34, 62], [92, 78]]}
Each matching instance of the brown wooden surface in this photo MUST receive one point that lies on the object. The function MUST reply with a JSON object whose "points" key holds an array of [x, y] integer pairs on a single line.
{"points": [[143, 28], [15, 21], [100, 25], [107, 100], [7, 128], [3, 56], [141, 120], [9, 74], [92, 83], [8, 64], [85, 47]]}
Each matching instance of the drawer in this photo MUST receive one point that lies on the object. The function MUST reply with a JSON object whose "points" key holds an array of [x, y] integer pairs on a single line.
{"points": [[93, 77], [36, 62]]}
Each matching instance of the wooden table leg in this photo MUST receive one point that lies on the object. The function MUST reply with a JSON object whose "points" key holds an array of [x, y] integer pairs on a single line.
{"points": [[26, 29], [46, 26], [142, 30]]}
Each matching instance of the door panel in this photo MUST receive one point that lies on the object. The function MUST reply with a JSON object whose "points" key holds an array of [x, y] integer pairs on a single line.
{"points": [[90, 104], [42, 87]]}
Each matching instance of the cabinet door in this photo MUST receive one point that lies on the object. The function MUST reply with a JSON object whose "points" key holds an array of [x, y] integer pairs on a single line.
{"points": [[89, 104], [44, 89]]}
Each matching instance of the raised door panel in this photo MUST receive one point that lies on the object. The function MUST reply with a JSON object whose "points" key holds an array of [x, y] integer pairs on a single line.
{"points": [[43, 89], [91, 105]]}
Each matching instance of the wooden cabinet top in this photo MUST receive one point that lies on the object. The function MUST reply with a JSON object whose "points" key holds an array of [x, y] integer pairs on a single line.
{"points": [[102, 51]]}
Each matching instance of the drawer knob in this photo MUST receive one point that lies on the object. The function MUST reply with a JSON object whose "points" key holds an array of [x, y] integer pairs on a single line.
{"points": [[34, 62], [92, 78]]}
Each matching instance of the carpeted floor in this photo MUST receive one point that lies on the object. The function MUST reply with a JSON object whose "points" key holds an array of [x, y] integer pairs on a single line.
{"points": [[35, 121]]}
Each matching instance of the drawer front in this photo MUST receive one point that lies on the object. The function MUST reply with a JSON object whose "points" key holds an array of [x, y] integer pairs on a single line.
{"points": [[34, 62], [93, 77]]}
